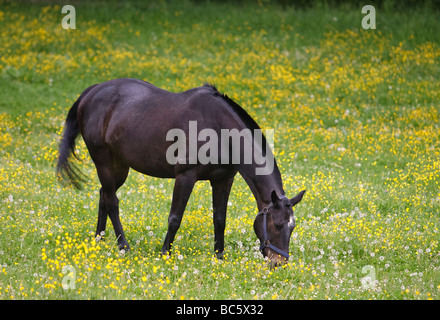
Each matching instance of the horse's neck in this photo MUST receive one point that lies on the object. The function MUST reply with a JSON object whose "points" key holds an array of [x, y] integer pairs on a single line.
{"points": [[262, 185]]}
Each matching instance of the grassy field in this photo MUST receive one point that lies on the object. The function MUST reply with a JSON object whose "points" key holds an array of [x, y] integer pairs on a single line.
{"points": [[356, 118]]}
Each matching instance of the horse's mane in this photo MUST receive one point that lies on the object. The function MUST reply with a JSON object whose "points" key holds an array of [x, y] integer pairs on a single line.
{"points": [[244, 116]]}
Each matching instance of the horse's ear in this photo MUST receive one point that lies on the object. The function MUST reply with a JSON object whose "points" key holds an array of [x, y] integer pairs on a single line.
{"points": [[274, 196], [297, 198]]}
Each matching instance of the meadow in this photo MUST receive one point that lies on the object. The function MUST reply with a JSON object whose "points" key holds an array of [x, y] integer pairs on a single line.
{"points": [[356, 118]]}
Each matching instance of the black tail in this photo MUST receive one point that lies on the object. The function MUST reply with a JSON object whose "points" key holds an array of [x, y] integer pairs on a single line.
{"points": [[66, 170]]}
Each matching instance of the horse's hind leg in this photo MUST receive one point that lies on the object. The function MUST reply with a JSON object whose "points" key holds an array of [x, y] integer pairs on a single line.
{"points": [[112, 175], [102, 213], [102, 217]]}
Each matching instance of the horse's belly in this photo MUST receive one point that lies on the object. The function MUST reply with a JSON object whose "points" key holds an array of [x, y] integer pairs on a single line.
{"points": [[142, 156], [153, 169]]}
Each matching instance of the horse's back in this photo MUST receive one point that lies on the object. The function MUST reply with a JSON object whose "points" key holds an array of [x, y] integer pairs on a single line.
{"points": [[132, 118], [134, 103], [115, 102]]}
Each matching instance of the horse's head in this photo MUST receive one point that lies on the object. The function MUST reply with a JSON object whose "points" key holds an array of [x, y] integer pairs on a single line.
{"points": [[274, 225]]}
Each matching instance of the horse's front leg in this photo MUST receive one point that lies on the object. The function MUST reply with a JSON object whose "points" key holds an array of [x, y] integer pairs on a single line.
{"points": [[182, 190], [220, 195]]}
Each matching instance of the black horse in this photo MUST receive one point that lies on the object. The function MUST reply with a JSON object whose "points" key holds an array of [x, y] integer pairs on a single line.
{"points": [[128, 123]]}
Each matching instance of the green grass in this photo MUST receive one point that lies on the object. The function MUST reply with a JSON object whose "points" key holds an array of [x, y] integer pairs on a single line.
{"points": [[356, 119]]}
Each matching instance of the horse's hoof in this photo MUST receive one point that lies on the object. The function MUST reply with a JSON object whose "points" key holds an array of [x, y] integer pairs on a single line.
{"points": [[99, 236], [124, 248], [219, 255]]}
